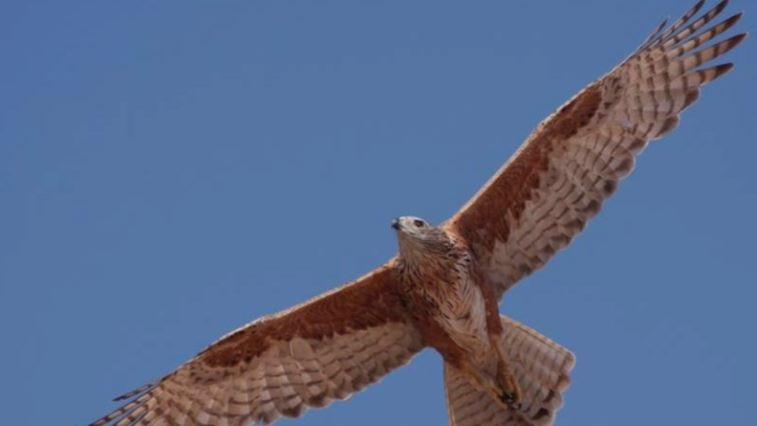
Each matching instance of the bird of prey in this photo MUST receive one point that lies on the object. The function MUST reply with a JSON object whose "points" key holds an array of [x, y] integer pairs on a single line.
{"points": [[442, 289]]}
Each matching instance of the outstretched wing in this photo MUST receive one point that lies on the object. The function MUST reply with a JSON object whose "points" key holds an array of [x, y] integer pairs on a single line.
{"points": [[324, 349], [544, 195]]}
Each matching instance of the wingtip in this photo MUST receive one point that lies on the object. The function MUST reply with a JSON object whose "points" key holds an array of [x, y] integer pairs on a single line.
{"points": [[698, 5], [720, 6], [723, 69], [662, 25], [732, 20], [695, 8], [131, 394], [735, 41]]}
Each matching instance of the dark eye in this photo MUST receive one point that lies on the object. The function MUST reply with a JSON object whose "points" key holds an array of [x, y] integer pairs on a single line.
{"points": [[418, 223]]}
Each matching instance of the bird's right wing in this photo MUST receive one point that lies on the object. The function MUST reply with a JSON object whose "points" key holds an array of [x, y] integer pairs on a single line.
{"points": [[559, 178], [307, 356]]}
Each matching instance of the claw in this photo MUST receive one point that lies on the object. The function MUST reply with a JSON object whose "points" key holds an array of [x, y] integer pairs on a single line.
{"points": [[510, 399], [510, 391], [503, 387]]}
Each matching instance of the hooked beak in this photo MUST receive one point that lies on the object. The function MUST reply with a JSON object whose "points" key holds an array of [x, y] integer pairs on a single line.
{"points": [[396, 224]]}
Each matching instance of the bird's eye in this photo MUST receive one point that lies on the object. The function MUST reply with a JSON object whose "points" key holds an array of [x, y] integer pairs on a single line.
{"points": [[419, 223]]}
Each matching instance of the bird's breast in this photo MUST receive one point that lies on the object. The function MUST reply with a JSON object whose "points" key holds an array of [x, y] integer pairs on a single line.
{"points": [[448, 304], [463, 315]]}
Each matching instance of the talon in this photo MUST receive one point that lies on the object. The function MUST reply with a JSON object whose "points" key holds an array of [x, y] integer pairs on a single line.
{"points": [[510, 399], [510, 391]]}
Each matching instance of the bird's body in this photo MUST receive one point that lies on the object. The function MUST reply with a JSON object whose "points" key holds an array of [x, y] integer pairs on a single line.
{"points": [[455, 302], [443, 287], [450, 305]]}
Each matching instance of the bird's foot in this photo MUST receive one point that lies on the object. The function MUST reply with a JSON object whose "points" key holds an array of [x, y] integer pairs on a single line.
{"points": [[511, 399], [505, 392], [502, 387], [510, 393]]}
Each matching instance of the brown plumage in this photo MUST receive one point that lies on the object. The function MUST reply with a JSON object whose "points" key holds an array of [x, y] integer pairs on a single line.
{"points": [[443, 288], [544, 195]]}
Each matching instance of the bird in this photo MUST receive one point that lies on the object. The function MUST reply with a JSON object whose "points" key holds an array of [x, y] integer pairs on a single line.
{"points": [[443, 287]]}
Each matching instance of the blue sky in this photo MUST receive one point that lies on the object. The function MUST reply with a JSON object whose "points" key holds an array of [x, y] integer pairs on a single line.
{"points": [[171, 170]]}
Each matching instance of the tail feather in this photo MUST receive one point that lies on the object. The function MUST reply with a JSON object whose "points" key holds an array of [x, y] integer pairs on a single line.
{"points": [[542, 369]]}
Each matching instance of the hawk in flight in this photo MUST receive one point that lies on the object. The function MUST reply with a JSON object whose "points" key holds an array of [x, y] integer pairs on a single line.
{"points": [[443, 287]]}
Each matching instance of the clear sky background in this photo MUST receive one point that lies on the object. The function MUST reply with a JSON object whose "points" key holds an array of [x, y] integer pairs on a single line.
{"points": [[170, 170]]}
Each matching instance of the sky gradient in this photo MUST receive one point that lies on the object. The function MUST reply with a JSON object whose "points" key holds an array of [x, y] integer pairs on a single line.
{"points": [[171, 170]]}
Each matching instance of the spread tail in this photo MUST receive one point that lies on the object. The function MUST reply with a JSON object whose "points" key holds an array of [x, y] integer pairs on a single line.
{"points": [[542, 369]]}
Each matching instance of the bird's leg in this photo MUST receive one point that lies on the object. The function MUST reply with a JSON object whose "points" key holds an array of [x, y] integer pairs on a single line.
{"points": [[511, 393], [510, 390]]}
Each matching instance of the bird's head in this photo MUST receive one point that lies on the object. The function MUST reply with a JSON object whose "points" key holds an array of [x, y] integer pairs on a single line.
{"points": [[416, 236]]}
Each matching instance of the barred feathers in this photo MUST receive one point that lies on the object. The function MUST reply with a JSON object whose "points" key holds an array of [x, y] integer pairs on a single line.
{"points": [[574, 160], [542, 369]]}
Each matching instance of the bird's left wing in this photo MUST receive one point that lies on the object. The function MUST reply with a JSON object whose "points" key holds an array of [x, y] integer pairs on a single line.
{"points": [[544, 195], [324, 349]]}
